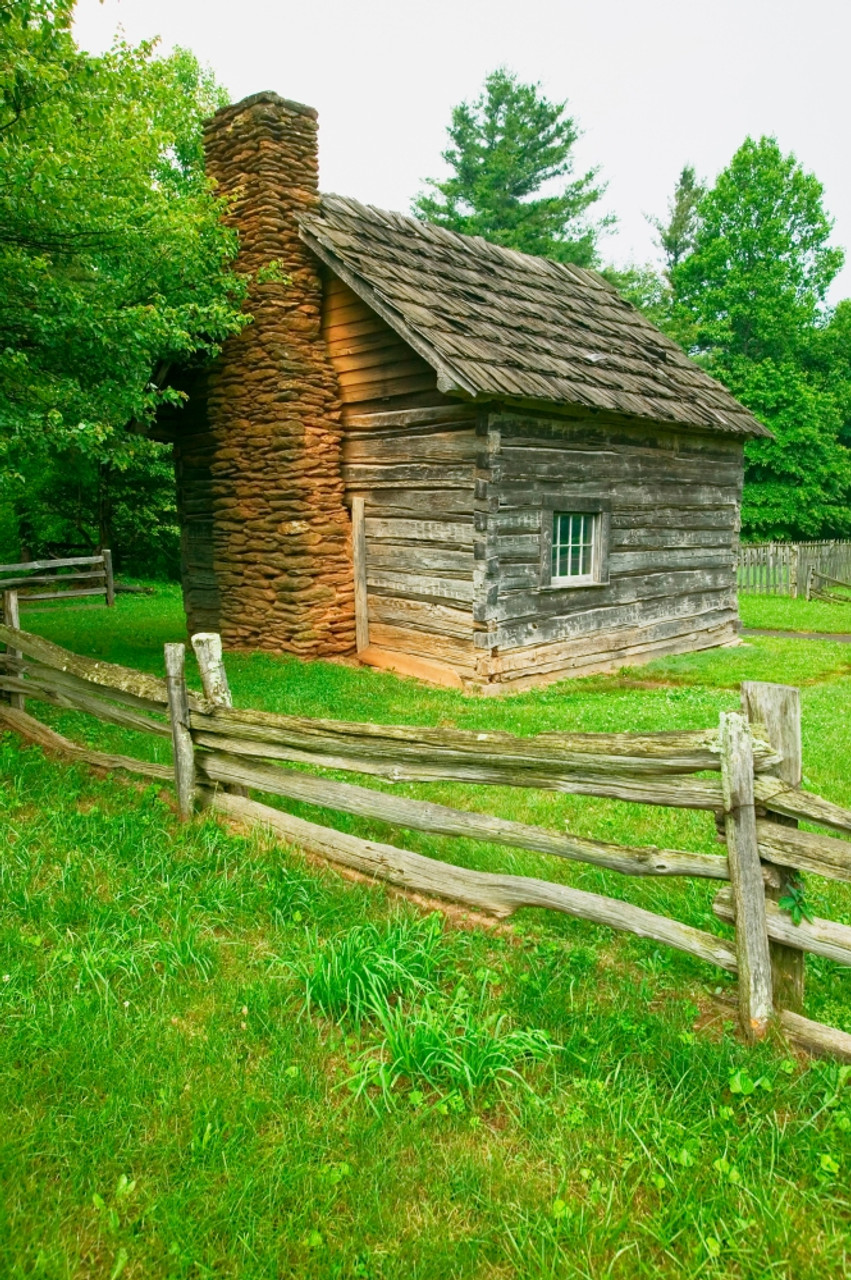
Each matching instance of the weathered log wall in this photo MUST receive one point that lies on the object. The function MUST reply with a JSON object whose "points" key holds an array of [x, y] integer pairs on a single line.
{"points": [[417, 481], [671, 566], [267, 534], [409, 452]]}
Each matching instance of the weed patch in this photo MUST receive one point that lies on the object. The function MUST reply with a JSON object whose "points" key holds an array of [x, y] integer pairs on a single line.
{"points": [[356, 975], [452, 1046]]}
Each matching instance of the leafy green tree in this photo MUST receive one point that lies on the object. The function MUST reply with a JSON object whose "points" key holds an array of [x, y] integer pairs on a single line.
{"points": [[114, 263], [676, 235], [646, 288], [750, 299], [506, 146], [76, 501]]}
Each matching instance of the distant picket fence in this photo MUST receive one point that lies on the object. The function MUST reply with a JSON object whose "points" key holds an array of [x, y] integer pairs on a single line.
{"points": [[786, 568], [747, 773]]}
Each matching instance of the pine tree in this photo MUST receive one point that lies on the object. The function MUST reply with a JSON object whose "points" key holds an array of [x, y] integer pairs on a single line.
{"points": [[506, 146], [676, 236]]}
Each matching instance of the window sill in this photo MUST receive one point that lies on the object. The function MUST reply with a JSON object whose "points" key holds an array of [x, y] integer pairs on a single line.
{"points": [[573, 584]]}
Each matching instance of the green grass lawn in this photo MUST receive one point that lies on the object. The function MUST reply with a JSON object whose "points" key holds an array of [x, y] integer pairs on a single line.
{"points": [[199, 1027], [780, 613]]}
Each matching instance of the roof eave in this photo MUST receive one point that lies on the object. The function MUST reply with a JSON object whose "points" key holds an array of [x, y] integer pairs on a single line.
{"points": [[449, 380]]}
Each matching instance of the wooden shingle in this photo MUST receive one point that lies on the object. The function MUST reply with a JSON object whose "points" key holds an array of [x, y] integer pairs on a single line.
{"points": [[494, 322]]}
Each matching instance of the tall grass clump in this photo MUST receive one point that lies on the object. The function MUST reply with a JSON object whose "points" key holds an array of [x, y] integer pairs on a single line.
{"points": [[361, 971], [452, 1046]]}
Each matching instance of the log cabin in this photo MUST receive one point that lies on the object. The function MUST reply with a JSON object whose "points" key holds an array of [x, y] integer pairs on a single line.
{"points": [[448, 458]]}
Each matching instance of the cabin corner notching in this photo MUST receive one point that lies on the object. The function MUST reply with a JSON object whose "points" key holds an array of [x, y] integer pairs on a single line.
{"points": [[456, 460]]}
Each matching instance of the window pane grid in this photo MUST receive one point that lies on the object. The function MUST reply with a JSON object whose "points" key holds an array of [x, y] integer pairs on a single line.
{"points": [[573, 544]]}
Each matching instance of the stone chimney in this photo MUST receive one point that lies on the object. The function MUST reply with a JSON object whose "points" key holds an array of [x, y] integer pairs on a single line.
{"points": [[281, 532]]}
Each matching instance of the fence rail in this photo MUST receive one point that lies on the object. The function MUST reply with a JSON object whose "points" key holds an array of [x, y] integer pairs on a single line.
{"points": [[73, 576], [747, 772], [822, 587], [784, 568]]}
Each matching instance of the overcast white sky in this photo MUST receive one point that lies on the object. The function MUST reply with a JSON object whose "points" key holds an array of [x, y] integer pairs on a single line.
{"points": [[653, 83]]}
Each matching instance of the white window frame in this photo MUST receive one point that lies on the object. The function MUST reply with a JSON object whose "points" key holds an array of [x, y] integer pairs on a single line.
{"points": [[599, 514]]}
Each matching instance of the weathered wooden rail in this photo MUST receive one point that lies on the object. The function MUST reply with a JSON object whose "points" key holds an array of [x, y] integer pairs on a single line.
{"points": [[747, 773], [822, 587], [60, 579], [785, 568]]}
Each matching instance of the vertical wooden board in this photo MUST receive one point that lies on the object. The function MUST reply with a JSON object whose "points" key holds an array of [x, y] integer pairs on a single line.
{"points": [[778, 708], [181, 738], [109, 580], [359, 558], [755, 993], [12, 618]]}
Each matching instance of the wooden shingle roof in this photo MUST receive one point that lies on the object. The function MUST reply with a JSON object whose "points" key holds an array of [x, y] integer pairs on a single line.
{"points": [[497, 323]]}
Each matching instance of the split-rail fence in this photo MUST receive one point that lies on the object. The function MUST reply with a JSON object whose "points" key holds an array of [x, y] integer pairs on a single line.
{"points": [[822, 587], [60, 579], [746, 772]]}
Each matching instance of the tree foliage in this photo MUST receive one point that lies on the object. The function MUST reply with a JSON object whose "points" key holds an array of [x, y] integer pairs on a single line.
{"points": [[114, 262], [749, 301], [506, 146], [676, 235], [114, 267]]}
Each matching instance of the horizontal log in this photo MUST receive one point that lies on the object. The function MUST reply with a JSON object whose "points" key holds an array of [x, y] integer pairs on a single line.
{"points": [[59, 695], [424, 644], [580, 619], [406, 563], [501, 895], [422, 815], [6, 584], [820, 937], [534, 607], [418, 504], [650, 754], [780, 797], [108, 675], [668, 790], [358, 475], [62, 595], [612, 660], [570, 654], [815, 1037], [804, 850], [34, 731], [436, 586], [440, 532], [421, 615], [50, 564], [412, 417]]}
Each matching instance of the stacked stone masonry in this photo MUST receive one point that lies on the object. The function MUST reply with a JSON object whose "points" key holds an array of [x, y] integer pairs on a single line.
{"points": [[269, 465]]}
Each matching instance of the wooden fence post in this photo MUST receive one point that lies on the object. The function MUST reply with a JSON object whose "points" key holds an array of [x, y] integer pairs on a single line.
{"points": [[208, 651], [778, 708], [12, 618], [755, 1001], [181, 738], [214, 678], [110, 580]]}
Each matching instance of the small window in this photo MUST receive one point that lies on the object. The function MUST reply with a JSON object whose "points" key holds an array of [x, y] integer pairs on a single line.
{"points": [[574, 542], [574, 546]]}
